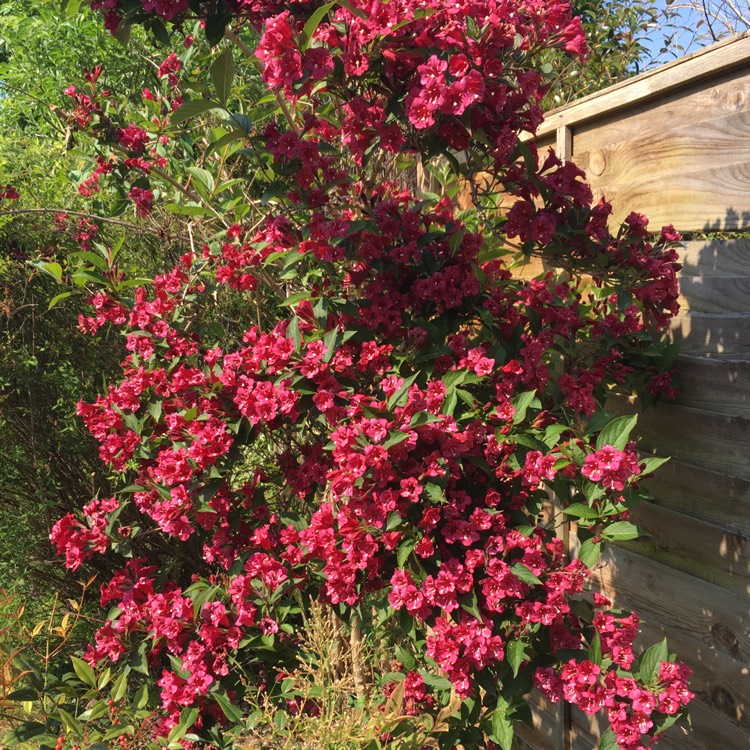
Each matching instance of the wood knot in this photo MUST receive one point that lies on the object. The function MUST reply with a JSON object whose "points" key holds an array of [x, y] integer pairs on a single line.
{"points": [[724, 639], [597, 162], [737, 99], [721, 699]]}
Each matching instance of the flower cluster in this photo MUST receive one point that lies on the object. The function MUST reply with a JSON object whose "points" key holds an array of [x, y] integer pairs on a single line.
{"points": [[388, 427]]}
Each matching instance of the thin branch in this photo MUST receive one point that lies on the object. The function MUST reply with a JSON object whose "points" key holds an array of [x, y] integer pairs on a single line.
{"points": [[707, 16], [94, 217], [171, 180], [47, 105]]}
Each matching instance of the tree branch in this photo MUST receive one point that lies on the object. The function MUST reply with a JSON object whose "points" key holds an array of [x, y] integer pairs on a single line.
{"points": [[93, 217]]}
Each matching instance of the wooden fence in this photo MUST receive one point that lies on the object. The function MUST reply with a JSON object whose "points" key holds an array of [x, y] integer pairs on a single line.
{"points": [[674, 143]]}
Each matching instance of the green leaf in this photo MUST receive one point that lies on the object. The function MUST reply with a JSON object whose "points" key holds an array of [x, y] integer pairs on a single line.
{"points": [[394, 520], [404, 551], [155, 410], [84, 671], [99, 709], [415, 15], [189, 209], [70, 723], [94, 259], [216, 27], [50, 268], [652, 464], [617, 432], [59, 298], [524, 574], [651, 661], [106, 676], [395, 438], [581, 510], [23, 733], [621, 530], [140, 699], [469, 604], [590, 553], [188, 716], [396, 398], [293, 299], [159, 31], [595, 651], [71, 7], [356, 11], [120, 686], [405, 658], [122, 33], [521, 403], [81, 278], [293, 332], [423, 417], [222, 74], [608, 740], [138, 661], [313, 22], [240, 121], [435, 681], [592, 491], [191, 109], [449, 405], [668, 721], [225, 140], [231, 711], [202, 177], [116, 731], [435, 493], [502, 727], [23, 694], [517, 654]]}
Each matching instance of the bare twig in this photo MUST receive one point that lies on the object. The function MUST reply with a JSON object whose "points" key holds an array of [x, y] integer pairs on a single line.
{"points": [[93, 217]]}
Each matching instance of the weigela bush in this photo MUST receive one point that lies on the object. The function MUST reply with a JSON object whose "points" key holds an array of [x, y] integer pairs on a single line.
{"points": [[386, 427]]}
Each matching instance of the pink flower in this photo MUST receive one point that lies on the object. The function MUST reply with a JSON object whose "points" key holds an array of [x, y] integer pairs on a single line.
{"points": [[143, 199], [610, 467]]}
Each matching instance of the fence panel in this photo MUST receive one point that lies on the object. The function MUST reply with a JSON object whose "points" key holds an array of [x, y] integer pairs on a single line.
{"points": [[674, 143]]}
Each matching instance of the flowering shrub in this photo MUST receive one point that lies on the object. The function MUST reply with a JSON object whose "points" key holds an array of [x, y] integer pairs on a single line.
{"points": [[385, 427]]}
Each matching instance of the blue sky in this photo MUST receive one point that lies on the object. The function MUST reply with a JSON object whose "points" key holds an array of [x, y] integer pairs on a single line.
{"points": [[686, 28]]}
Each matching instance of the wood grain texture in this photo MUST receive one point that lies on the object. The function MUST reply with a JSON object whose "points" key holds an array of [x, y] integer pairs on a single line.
{"points": [[723, 336], [711, 61], [702, 100], [704, 439], [708, 258], [709, 732], [686, 606], [714, 385], [715, 294], [693, 176], [693, 546], [712, 639], [675, 144], [546, 733], [721, 684], [718, 499]]}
